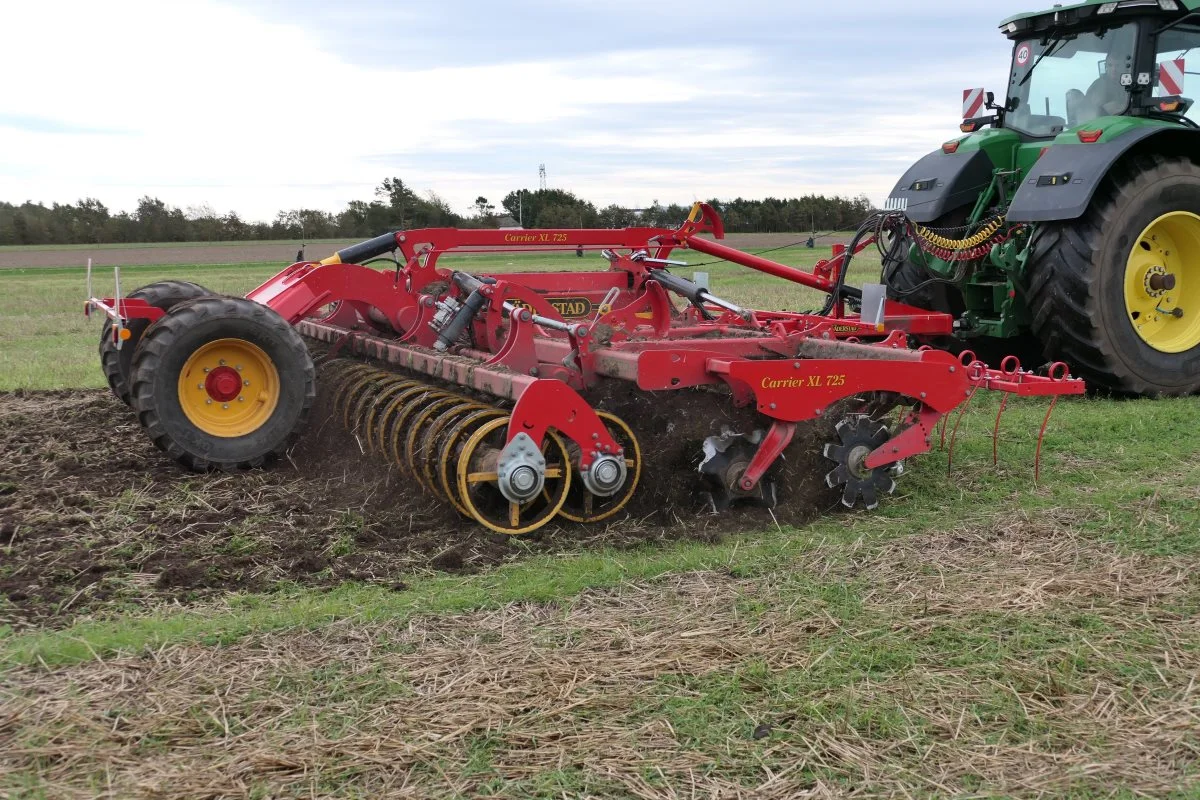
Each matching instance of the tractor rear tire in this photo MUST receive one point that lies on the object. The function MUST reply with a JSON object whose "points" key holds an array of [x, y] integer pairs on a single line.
{"points": [[1090, 282], [223, 383], [116, 363]]}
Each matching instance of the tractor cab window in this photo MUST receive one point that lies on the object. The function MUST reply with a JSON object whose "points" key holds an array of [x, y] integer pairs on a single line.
{"points": [[1177, 65], [1067, 81]]}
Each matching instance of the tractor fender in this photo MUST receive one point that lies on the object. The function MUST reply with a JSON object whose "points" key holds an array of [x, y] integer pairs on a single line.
{"points": [[941, 182], [1061, 184]]}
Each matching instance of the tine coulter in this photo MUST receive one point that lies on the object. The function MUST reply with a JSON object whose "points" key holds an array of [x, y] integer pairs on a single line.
{"points": [[521, 397]]}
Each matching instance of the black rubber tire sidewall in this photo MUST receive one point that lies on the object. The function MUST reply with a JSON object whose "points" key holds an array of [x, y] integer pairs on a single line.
{"points": [[168, 347], [118, 363], [1165, 372]]}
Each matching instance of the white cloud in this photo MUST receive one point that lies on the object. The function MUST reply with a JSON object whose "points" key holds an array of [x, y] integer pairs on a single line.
{"points": [[201, 102]]}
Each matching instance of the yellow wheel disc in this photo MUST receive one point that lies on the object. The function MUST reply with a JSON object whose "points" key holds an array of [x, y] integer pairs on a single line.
{"points": [[1162, 283], [383, 428], [478, 482], [448, 454], [429, 442], [229, 388], [400, 427], [370, 418], [583, 506], [413, 453]]}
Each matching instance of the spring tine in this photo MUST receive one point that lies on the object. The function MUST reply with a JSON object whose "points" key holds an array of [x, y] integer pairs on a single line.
{"points": [[942, 426], [1037, 458], [996, 429], [958, 420]]}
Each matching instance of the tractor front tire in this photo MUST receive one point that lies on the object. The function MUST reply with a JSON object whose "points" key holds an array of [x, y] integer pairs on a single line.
{"points": [[116, 363], [1099, 284], [223, 383]]}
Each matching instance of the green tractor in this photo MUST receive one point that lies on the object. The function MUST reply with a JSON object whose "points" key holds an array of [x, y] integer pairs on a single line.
{"points": [[1066, 223]]}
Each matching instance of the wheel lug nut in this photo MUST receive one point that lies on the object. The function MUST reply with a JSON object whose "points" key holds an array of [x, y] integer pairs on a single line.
{"points": [[206, 369], [238, 367], [245, 383], [221, 362], [224, 405], [209, 401], [241, 399]]}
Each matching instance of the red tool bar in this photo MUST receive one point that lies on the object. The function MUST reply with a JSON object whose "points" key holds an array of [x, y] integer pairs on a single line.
{"points": [[450, 368], [709, 247]]}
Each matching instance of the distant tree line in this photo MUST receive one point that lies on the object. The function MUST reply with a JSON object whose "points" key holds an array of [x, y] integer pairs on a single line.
{"points": [[396, 206]]}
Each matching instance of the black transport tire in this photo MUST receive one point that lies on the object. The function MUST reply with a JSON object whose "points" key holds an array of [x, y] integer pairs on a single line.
{"points": [[1077, 285], [171, 349], [116, 363]]}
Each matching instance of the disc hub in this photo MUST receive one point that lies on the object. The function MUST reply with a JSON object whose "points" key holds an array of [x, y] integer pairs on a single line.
{"points": [[521, 471], [223, 384], [606, 476]]}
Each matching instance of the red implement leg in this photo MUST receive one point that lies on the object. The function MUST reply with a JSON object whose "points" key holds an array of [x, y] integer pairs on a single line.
{"points": [[548, 403], [778, 438]]}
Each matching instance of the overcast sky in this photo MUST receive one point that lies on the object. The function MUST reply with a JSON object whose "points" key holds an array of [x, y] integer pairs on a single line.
{"points": [[260, 106]]}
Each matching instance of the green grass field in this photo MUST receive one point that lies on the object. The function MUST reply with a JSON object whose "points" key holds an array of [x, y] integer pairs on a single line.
{"points": [[978, 636]]}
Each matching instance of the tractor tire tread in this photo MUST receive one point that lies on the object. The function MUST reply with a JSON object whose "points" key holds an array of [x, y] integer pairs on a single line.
{"points": [[1064, 287]]}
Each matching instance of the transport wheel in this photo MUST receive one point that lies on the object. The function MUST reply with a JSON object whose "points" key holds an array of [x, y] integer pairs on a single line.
{"points": [[583, 505], [115, 363], [1116, 293], [222, 383], [858, 436], [483, 481]]}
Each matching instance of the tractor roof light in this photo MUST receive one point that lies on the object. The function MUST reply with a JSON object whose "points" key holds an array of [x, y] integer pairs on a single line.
{"points": [[951, 146], [1107, 8], [1090, 137], [1168, 5], [1171, 105]]}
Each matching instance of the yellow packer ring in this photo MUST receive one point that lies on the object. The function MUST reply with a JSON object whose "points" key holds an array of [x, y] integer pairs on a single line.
{"points": [[450, 449], [1162, 283], [228, 388], [477, 479], [583, 506]]}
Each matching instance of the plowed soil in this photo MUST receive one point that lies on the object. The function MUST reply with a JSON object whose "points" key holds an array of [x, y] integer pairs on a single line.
{"points": [[93, 518]]}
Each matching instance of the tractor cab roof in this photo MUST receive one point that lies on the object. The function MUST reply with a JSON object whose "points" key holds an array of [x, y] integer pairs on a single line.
{"points": [[1090, 13]]}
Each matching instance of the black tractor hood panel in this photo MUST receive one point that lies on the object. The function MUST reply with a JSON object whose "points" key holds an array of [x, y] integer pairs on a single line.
{"points": [[941, 182]]}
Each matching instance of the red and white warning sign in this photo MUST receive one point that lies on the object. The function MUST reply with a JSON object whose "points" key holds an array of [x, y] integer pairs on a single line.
{"points": [[1023, 53], [972, 102], [1170, 76]]}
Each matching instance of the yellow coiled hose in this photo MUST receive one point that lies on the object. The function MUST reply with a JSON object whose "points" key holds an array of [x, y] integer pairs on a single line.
{"points": [[980, 236]]}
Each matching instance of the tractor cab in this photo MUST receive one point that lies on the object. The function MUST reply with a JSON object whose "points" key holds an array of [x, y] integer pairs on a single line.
{"points": [[1076, 64]]}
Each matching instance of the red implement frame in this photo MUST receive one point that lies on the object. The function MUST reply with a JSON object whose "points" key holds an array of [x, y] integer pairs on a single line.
{"points": [[542, 338]]}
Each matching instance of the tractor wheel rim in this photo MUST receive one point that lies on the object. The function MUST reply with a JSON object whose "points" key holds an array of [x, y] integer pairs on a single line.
{"points": [[229, 388], [1162, 283]]}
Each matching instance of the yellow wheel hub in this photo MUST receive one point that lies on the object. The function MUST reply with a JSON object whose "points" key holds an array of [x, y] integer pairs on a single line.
{"points": [[1162, 283], [229, 388]]}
